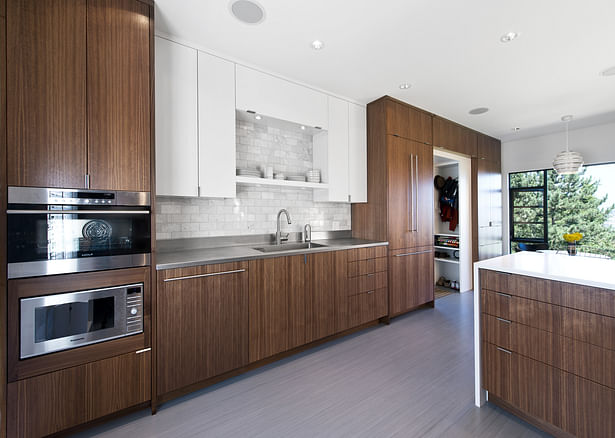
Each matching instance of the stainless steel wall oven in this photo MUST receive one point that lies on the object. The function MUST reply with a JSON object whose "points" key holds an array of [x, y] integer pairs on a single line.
{"points": [[59, 231]]}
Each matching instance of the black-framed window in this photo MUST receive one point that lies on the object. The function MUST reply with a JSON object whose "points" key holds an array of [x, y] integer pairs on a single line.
{"points": [[528, 207], [544, 205]]}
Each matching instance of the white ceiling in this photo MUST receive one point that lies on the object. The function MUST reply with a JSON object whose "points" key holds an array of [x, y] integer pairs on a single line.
{"points": [[449, 50]]}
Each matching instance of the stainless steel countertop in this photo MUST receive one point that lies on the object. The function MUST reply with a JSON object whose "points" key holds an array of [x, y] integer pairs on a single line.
{"points": [[206, 256]]}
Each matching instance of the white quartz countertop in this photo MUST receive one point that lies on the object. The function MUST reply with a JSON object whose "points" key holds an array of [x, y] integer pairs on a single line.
{"points": [[588, 271]]}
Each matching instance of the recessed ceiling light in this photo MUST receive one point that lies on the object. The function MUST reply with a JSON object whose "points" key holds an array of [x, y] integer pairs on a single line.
{"points": [[257, 117], [608, 72], [247, 11], [317, 45], [567, 118], [479, 110], [302, 128], [508, 37], [404, 86]]}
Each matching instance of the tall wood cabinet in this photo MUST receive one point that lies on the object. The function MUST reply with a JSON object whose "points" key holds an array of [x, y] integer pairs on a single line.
{"points": [[400, 198], [487, 199], [79, 94]]}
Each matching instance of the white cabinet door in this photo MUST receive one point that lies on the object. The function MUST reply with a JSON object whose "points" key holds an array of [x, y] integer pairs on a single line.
{"points": [[331, 154], [216, 127], [357, 153], [176, 119], [279, 98]]}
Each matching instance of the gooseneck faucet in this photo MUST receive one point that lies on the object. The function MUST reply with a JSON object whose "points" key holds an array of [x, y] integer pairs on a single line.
{"points": [[278, 233], [307, 233]]}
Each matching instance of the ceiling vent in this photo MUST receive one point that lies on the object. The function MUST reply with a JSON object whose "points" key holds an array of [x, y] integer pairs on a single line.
{"points": [[248, 12]]}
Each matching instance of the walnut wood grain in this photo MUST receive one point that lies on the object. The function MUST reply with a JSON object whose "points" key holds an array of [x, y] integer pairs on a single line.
{"points": [[369, 220], [410, 193], [587, 298], [46, 63], [36, 286], [369, 266], [366, 253], [410, 279], [367, 282], [579, 358], [488, 148], [202, 324], [277, 305], [118, 90], [454, 137], [3, 229], [403, 120], [367, 306], [56, 401], [342, 272], [321, 280], [583, 326]]}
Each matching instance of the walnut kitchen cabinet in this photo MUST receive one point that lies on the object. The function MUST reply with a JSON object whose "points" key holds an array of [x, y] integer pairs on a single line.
{"points": [[50, 403], [454, 137], [202, 326], [79, 93], [487, 199], [410, 279], [400, 196], [277, 305]]}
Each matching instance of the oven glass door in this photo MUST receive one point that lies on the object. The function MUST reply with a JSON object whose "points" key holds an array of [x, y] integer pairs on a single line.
{"points": [[63, 321], [38, 233]]}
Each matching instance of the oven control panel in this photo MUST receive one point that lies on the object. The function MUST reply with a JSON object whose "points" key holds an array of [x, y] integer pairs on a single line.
{"points": [[134, 309]]}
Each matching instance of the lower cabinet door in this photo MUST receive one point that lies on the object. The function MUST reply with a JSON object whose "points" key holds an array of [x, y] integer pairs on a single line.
{"points": [[411, 281], [202, 323], [49, 403], [367, 306]]}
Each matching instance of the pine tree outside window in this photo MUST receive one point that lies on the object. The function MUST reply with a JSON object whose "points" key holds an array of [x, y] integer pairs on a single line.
{"points": [[544, 205]]}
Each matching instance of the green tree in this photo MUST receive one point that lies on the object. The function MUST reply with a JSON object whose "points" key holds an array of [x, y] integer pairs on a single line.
{"points": [[572, 206]]}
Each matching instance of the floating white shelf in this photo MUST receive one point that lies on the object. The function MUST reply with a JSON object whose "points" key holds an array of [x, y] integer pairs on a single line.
{"points": [[446, 235], [439, 259], [248, 180], [446, 247]]}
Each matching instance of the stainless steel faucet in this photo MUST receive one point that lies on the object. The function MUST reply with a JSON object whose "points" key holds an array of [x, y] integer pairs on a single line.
{"points": [[307, 233], [278, 233]]}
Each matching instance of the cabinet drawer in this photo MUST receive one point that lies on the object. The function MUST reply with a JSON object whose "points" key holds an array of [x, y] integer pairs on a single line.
{"points": [[367, 253], [170, 275], [367, 306], [366, 283], [576, 324], [576, 357], [364, 267], [495, 281], [571, 403]]}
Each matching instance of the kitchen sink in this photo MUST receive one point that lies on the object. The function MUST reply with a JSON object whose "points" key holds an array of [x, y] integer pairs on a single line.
{"points": [[289, 247]]}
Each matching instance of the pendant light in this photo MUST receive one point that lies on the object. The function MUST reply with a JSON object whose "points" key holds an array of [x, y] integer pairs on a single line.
{"points": [[567, 162]]}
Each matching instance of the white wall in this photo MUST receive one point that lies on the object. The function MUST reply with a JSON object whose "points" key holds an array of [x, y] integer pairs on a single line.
{"points": [[595, 143]]}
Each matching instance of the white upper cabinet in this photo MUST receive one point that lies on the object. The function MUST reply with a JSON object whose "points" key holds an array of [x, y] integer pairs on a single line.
{"points": [[357, 153], [331, 153], [176, 119], [279, 98], [216, 127]]}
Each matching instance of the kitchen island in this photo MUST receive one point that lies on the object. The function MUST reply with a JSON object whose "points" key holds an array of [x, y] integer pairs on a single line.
{"points": [[544, 340]]}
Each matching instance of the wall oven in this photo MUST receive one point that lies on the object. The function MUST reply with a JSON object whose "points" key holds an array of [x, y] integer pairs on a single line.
{"points": [[62, 321], [59, 231]]}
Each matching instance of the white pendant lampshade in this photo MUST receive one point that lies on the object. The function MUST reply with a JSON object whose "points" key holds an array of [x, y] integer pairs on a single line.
{"points": [[567, 162]]}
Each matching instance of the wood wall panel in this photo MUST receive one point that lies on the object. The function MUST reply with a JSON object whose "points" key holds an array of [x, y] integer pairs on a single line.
{"points": [[118, 89], [46, 62]]}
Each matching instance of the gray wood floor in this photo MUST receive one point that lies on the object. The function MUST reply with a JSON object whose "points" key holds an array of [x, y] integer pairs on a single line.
{"points": [[413, 378]]}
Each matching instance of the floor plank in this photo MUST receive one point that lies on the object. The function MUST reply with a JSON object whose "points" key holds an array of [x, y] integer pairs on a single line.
{"points": [[413, 378]]}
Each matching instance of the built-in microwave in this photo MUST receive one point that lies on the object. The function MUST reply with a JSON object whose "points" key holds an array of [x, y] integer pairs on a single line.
{"points": [[67, 320], [60, 231]]}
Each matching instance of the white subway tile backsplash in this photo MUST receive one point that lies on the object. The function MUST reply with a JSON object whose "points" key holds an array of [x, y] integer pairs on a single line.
{"points": [[255, 208]]}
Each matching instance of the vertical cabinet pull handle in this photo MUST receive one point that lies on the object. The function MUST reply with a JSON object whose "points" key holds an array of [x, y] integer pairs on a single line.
{"points": [[415, 197], [410, 195]]}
